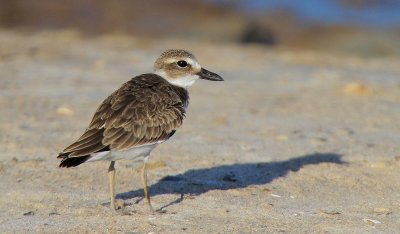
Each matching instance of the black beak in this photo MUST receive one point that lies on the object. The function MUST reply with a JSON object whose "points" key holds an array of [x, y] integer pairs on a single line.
{"points": [[207, 75]]}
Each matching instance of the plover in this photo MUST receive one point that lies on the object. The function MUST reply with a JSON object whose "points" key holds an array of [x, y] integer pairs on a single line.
{"points": [[143, 113]]}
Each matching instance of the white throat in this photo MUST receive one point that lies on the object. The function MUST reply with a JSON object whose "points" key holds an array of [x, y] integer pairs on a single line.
{"points": [[183, 81]]}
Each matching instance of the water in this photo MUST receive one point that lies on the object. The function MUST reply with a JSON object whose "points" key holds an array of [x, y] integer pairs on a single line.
{"points": [[372, 13]]}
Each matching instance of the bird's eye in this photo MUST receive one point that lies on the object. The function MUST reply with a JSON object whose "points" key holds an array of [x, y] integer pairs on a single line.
{"points": [[182, 63]]}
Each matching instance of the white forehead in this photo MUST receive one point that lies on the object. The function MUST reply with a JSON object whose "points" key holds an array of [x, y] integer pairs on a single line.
{"points": [[194, 63]]}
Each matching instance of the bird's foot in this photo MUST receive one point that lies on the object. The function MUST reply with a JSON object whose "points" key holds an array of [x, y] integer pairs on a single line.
{"points": [[117, 205]]}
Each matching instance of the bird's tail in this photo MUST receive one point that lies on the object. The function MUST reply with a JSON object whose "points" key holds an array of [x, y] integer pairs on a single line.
{"points": [[72, 161]]}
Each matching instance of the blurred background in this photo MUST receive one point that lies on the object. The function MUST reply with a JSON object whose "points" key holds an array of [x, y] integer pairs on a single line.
{"points": [[304, 132], [368, 28]]}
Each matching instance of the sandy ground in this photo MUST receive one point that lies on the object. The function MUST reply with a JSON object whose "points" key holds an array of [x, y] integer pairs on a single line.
{"points": [[291, 142]]}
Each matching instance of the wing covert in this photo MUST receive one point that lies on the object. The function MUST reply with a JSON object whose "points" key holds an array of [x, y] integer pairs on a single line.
{"points": [[145, 110]]}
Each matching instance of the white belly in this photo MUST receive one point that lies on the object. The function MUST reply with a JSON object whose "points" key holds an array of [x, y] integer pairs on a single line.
{"points": [[134, 153]]}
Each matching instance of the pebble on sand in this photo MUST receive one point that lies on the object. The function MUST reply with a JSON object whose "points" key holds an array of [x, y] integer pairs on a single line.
{"points": [[66, 111], [357, 89]]}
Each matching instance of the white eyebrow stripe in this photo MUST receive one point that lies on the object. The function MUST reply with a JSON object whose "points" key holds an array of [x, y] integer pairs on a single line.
{"points": [[171, 60], [191, 61]]}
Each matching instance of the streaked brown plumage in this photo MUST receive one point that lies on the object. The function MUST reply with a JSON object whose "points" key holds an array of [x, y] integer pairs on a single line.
{"points": [[144, 112]]}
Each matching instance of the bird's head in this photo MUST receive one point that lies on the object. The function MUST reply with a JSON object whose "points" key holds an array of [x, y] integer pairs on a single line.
{"points": [[181, 68]]}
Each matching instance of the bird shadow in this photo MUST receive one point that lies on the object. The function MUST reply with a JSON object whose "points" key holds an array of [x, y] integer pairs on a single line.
{"points": [[197, 181]]}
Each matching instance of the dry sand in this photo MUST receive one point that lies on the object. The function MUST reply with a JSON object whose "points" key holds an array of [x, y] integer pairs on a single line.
{"points": [[291, 142]]}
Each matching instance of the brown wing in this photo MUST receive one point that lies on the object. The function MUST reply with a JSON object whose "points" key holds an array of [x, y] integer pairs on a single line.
{"points": [[145, 110]]}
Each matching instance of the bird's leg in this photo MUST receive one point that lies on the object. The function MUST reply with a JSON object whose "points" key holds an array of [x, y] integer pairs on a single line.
{"points": [[145, 187], [111, 177]]}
